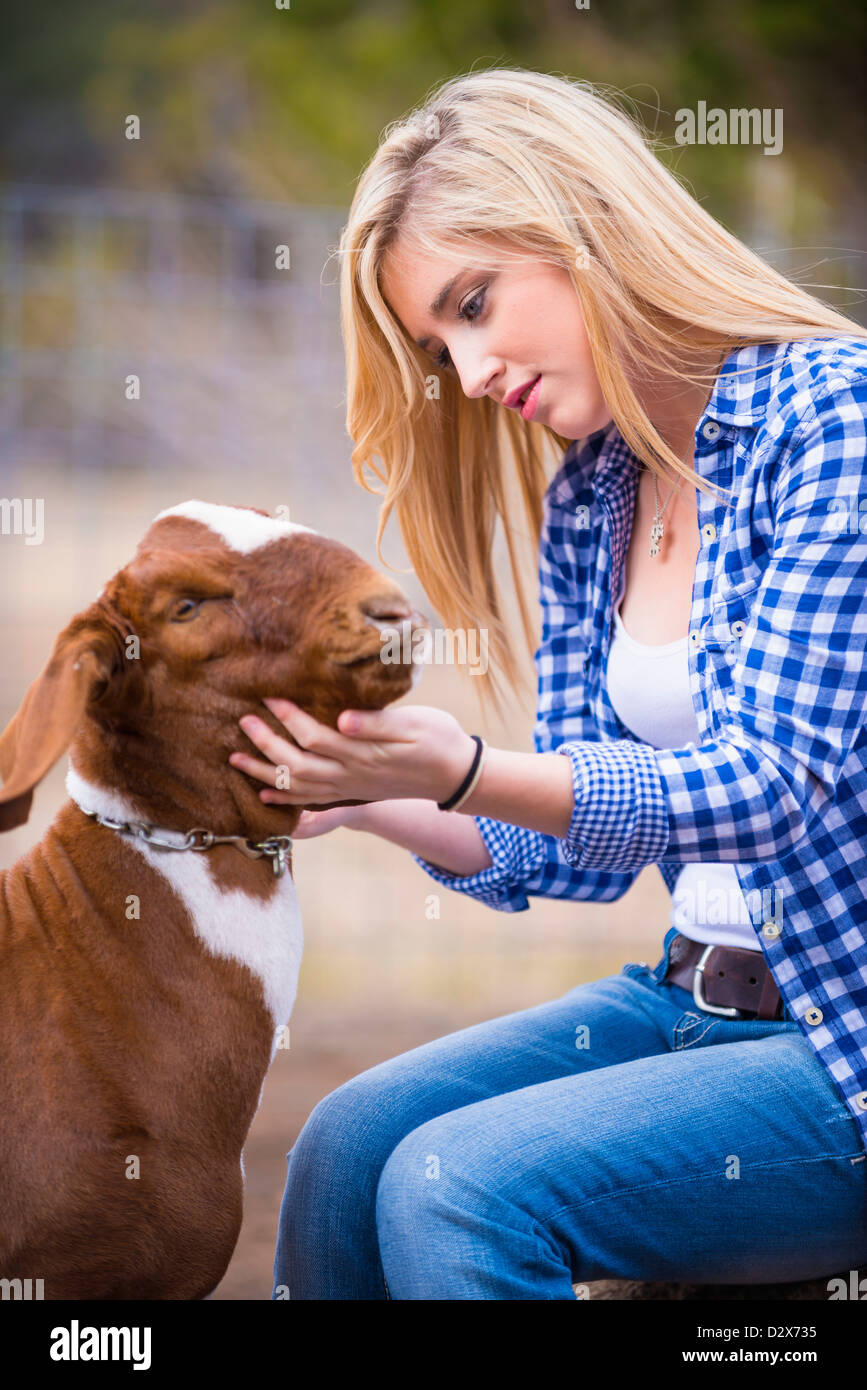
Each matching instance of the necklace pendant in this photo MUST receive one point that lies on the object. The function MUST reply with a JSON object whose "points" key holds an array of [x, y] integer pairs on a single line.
{"points": [[656, 534]]}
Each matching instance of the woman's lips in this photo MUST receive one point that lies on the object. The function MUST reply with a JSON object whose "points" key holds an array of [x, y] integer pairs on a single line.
{"points": [[528, 409]]}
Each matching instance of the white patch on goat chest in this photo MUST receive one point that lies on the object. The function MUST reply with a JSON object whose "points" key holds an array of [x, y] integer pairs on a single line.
{"points": [[240, 528], [266, 936]]}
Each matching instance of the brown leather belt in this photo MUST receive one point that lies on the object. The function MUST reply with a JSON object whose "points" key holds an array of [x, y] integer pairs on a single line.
{"points": [[728, 980]]}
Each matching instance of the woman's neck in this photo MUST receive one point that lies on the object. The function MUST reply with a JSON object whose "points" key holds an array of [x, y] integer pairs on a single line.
{"points": [[675, 407]]}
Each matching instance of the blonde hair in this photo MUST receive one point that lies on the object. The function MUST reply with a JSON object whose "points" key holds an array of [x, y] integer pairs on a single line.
{"points": [[549, 166]]}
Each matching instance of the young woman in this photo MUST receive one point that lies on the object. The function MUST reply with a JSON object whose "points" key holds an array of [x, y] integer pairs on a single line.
{"points": [[702, 687]]}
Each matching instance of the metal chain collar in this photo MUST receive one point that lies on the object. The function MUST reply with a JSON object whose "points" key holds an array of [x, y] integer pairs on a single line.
{"points": [[277, 847]]}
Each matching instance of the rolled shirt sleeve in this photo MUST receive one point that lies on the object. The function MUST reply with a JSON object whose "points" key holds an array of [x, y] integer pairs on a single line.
{"points": [[516, 854]]}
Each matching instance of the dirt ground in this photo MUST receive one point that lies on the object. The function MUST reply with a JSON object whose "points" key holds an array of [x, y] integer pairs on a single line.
{"points": [[298, 1079]]}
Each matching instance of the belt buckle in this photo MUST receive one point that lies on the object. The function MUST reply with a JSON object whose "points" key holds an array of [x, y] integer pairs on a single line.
{"points": [[698, 993]]}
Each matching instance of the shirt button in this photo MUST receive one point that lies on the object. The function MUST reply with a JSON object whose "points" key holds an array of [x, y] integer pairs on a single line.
{"points": [[709, 532], [739, 628], [694, 638], [771, 931], [861, 1100], [813, 1016], [711, 430]]}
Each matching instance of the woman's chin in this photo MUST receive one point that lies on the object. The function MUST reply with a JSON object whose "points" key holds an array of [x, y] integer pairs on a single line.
{"points": [[578, 429], [576, 423]]}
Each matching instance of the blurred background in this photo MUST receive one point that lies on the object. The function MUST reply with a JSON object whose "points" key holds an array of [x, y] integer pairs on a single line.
{"points": [[155, 256]]}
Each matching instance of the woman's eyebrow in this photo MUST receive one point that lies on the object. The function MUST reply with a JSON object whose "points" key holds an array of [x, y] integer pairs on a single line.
{"points": [[436, 308]]}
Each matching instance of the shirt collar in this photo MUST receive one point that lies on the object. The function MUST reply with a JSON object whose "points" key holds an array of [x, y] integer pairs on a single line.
{"points": [[745, 383], [740, 396]]}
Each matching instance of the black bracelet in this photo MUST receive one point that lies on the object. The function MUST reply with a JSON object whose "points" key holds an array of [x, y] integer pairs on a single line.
{"points": [[464, 787]]}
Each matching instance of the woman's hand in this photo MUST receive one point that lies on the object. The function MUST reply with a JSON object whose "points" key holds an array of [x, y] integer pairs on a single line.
{"points": [[313, 823], [373, 755]]}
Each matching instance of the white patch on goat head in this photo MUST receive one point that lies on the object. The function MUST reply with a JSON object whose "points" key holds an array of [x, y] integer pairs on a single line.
{"points": [[240, 528], [267, 937]]}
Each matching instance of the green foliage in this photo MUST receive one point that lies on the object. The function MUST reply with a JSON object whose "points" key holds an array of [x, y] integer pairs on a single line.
{"points": [[239, 97]]}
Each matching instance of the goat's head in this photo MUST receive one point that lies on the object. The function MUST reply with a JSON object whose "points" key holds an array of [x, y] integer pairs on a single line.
{"points": [[220, 607]]}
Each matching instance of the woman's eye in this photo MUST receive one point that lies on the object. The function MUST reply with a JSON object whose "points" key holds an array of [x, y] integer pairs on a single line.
{"points": [[477, 300], [469, 312]]}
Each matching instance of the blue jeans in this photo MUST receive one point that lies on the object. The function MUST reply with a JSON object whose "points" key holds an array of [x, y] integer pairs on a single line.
{"points": [[618, 1131]]}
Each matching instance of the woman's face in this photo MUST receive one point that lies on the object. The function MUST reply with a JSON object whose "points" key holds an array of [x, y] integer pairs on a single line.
{"points": [[500, 328]]}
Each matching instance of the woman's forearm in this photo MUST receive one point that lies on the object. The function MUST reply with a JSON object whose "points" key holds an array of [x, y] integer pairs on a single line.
{"points": [[529, 789], [448, 839]]}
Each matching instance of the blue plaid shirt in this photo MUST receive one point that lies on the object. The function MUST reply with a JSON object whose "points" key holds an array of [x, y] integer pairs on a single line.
{"points": [[777, 785]]}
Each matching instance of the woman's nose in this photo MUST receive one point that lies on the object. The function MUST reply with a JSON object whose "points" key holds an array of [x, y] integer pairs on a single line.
{"points": [[479, 378]]}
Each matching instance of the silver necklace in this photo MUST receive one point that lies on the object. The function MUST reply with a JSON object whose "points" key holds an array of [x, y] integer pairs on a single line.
{"points": [[657, 531]]}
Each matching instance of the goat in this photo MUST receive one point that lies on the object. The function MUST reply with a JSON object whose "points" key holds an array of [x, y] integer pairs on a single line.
{"points": [[142, 988]]}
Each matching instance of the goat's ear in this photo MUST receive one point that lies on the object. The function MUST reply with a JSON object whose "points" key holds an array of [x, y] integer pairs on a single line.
{"points": [[85, 655]]}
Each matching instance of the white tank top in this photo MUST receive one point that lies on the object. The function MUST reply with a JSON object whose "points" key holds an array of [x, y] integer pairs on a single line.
{"points": [[648, 687]]}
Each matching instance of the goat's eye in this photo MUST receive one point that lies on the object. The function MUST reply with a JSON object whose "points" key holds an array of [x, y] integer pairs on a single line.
{"points": [[186, 608]]}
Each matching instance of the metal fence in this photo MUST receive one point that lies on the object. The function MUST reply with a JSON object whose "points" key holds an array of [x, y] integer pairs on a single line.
{"points": [[239, 362], [234, 356]]}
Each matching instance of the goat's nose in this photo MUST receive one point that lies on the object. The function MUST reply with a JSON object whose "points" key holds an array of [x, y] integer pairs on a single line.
{"points": [[387, 610]]}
